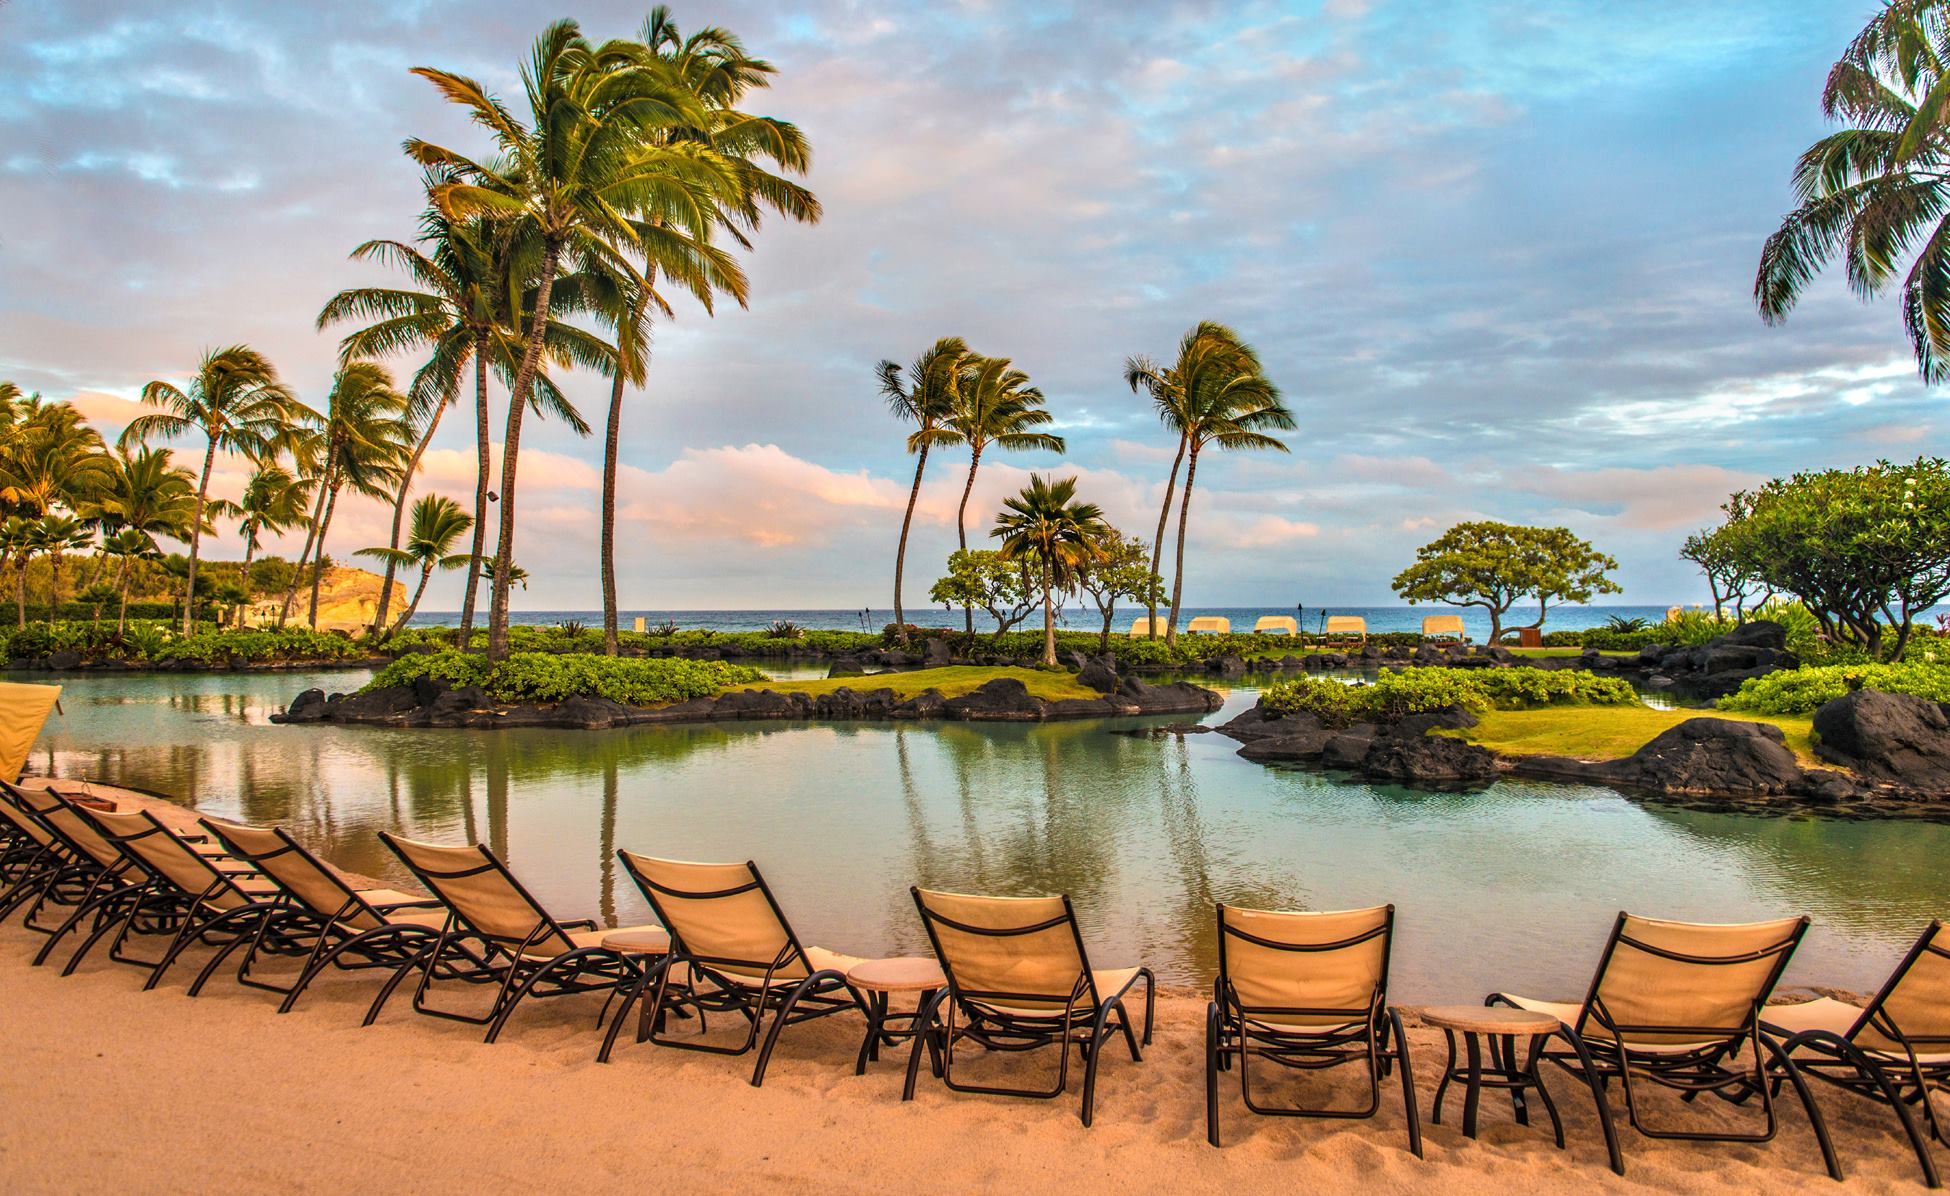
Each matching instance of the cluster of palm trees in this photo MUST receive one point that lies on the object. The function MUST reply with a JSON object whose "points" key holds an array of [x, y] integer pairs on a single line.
{"points": [[1215, 393], [626, 178]]}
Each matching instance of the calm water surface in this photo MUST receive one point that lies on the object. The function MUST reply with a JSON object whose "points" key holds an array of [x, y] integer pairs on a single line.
{"points": [[1511, 887]]}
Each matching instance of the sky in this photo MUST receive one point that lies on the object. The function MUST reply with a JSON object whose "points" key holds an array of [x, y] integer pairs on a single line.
{"points": [[1500, 264]]}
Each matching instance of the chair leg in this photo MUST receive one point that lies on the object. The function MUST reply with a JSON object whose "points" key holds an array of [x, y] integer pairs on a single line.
{"points": [[635, 994], [924, 1036], [1099, 1034], [510, 999], [1598, 1097], [778, 1025], [224, 952], [426, 959], [1807, 1102], [1408, 1086], [1212, 1073], [1917, 1141]]}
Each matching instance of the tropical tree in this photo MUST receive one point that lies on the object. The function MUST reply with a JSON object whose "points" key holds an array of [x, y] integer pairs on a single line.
{"points": [[1494, 566], [926, 398], [361, 440], [17, 545], [237, 404], [994, 405], [1165, 385], [1217, 393], [127, 546], [984, 578], [1117, 566], [1877, 192], [1049, 529], [49, 457], [572, 175], [55, 536], [438, 522], [274, 501]]}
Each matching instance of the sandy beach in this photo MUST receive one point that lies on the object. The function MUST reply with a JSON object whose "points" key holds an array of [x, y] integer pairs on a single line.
{"points": [[108, 1086]]}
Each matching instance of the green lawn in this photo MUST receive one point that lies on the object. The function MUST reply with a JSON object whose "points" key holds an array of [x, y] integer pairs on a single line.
{"points": [[1607, 732], [953, 682]]}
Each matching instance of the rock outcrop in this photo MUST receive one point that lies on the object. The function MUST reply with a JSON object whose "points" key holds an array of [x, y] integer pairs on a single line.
{"points": [[1896, 738]]}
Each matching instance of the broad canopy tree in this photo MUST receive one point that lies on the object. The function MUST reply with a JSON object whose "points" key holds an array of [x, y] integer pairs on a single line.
{"points": [[1118, 567], [985, 579], [1495, 566]]}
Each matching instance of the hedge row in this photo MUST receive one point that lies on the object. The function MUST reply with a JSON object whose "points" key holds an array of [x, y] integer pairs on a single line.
{"points": [[1399, 693], [556, 677]]}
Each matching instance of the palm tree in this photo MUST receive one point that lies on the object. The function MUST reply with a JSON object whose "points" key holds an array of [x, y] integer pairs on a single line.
{"points": [[1222, 398], [572, 176], [17, 546], [927, 399], [361, 440], [144, 491], [237, 403], [56, 536], [51, 457], [274, 500], [438, 521], [1878, 192], [128, 546], [1045, 526], [994, 404]]}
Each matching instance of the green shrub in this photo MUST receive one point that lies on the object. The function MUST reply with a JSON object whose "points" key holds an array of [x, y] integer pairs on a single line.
{"points": [[1800, 691], [557, 677], [1402, 692]]}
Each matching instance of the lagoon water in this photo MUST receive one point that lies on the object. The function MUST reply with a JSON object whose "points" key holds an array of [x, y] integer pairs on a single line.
{"points": [[1511, 887]]}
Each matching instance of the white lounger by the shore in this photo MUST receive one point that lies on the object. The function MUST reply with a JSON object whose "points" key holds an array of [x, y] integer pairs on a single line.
{"points": [[1441, 626], [1212, 623], [1347, 625], [1141, 628], [1276, 625]]}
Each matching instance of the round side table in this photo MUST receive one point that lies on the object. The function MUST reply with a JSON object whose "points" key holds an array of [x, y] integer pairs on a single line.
{"points": [[877, 980], [1474, 1023]]}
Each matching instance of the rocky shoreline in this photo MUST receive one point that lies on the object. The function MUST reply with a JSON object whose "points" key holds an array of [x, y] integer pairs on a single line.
{"points": [[431, 703]]}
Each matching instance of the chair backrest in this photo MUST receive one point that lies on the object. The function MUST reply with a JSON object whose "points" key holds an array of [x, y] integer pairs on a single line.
{"points": [[17, 813], [1662, 983], [1015, 952], [1346, 625], [1433, 625], [720, 916], [75, 832], [482, 894], [163, 854], [1142, 627], [1326, 968], [1281, 624], [1216, 624], [1914, 1005], [298, 873]]}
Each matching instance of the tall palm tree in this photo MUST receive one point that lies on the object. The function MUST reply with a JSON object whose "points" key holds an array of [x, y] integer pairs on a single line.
{"points": [[17, 546], [361, 440], [927, 398], [55, 536], [238, 404], [1226, 400], [50, 457], [1877, 193], [145, 491], [438, 521], [1046, 526], [274, 501], [127, 546], [572, 174], [994, 405]]}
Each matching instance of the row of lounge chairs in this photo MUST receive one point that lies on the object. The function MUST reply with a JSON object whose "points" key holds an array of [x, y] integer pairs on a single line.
{"points": [[1675, 1005], [1434, 627]]}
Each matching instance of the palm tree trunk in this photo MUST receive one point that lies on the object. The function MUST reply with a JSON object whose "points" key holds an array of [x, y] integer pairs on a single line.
{"points": [[426, 572], [122, 618], [399, 517], [961, 531], [1158, 541], [608, 551], [484, 459], [196, 534], [1178, 570], [311, 537], [1049, 621], [318, 557], [504, 552], [53, 586], [900, 550], [250, 550], [20, 592]]}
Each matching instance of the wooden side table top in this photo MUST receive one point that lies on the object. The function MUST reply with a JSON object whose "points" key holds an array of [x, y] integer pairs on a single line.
{"points": [[906, 973], [1489, 1019], [638, 940]]}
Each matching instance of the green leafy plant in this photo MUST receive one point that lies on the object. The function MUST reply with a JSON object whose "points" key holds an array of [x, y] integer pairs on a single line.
{"points": [[557, 677], [1399, 693], [1800, 691]]}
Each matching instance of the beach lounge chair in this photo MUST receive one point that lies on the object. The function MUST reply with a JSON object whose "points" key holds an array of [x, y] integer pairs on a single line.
{"points": [[29, 853], [1213, 624], [1276, 625], [352, 929], [1894, 1049], [88, 874], [1020, 979], [208, 899], [1444, 627], [1305, 991], [731, 950], [497, 934], [1141, 628], [1678, 1004], [1348, 625]]}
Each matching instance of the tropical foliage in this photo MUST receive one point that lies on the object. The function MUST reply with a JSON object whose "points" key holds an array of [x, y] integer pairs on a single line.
{"points": [[557, 677], [1803, 690], [1493, 566], [1400, 693], [1053, 534]]}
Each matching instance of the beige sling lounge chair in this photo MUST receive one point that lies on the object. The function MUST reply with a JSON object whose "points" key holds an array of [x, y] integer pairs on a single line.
{"points": [[1209, 624], [1895, 1049], [1019, 979], [1444, 627], [326, 920], [497, 933], [1353, 625], [1276, 625], [1141, 628], [1305, 991], [731, 950], [1678, 1004]]}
